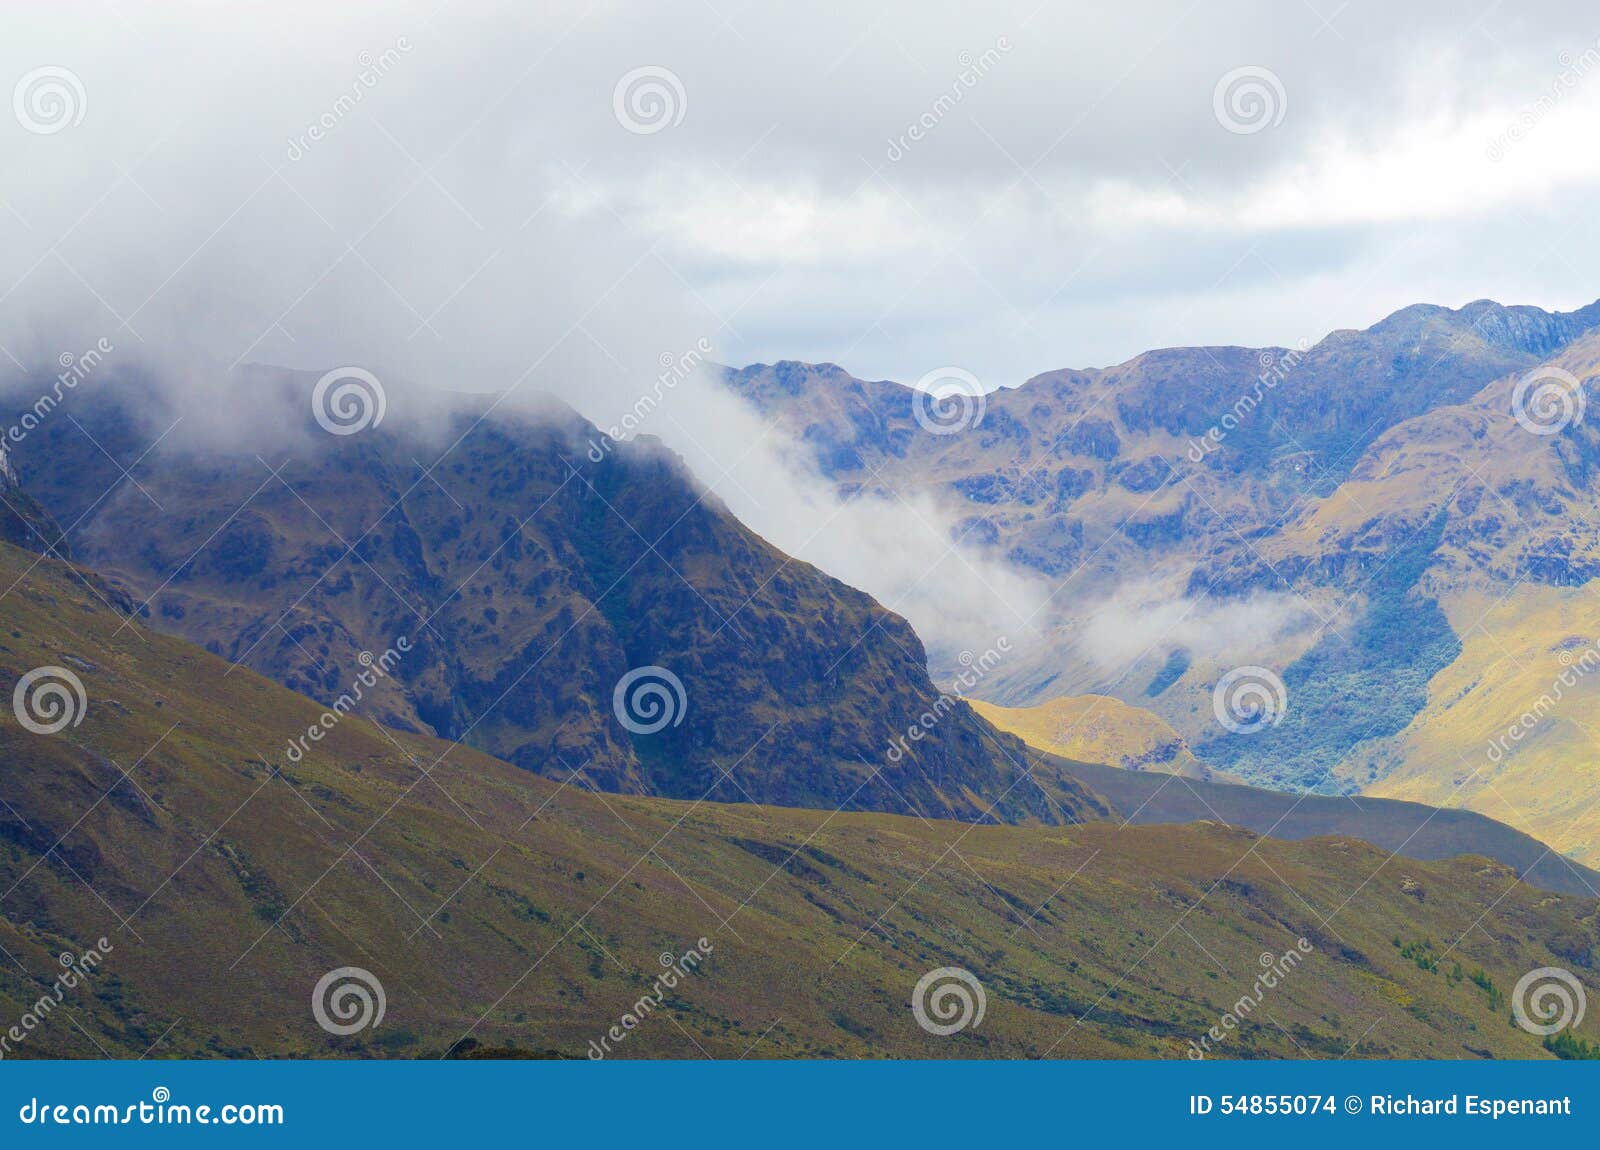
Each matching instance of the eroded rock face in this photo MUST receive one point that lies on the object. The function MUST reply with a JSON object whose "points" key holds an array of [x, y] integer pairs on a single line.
{"points": [[22, 521]]}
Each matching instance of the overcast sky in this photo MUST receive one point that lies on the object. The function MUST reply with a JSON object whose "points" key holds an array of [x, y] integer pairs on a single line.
{"points": [[561, 196], [1081, 201]]}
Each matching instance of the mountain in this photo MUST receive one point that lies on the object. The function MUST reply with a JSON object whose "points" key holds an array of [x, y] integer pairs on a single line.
{"points": [[1109, 467], [502, 913], [22, 521], [1409, 829], [1508, 728], [546, 593], [1494, 515], [1419, 496], [1144, 772]]}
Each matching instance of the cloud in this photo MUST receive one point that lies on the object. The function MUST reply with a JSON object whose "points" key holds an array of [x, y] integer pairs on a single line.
{"points": [[448, 195], [371, 190], [1144, 621]]}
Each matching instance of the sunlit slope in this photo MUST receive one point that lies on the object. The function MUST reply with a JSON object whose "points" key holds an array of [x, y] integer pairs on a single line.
{"points": [[1098, 729], [503, 908], [1516, 498], [1512, 727]]}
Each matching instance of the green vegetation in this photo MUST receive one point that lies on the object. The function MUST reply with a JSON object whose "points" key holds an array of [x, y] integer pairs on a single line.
{"points": [[1486, 984], [467, 902], [1421, 953], [1567, 1045], [1169, 673], [1365, 684]]}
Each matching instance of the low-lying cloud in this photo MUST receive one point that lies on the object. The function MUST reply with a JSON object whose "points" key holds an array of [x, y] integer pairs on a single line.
{"points": [[1145, 621], [369, 189]]}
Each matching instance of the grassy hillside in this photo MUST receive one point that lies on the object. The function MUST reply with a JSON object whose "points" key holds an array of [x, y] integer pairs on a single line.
{"points": [[1412, 830], [521, 913], [1098, 729], [1145, 755], [1531, 654]]}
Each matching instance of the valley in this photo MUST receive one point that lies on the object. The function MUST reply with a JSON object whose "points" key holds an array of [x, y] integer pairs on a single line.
{"points": [[486, 831]]}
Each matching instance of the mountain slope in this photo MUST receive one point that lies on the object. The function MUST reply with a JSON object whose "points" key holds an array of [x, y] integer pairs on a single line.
{"points": [[1098, 729], [1509, 727], [1490, 516], [501, 911], [1411, 830], [530, 581]]}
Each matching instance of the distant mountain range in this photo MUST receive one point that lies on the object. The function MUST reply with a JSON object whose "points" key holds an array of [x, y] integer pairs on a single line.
{"points": [[1092, 466], [1401, 488]]}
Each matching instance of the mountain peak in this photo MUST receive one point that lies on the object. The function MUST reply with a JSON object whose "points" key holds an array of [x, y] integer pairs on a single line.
{"points": [[1520, 328]]}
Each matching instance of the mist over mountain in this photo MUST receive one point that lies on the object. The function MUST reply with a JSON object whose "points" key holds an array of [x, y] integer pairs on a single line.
{"points": [[530, 573], [500, 500]]}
